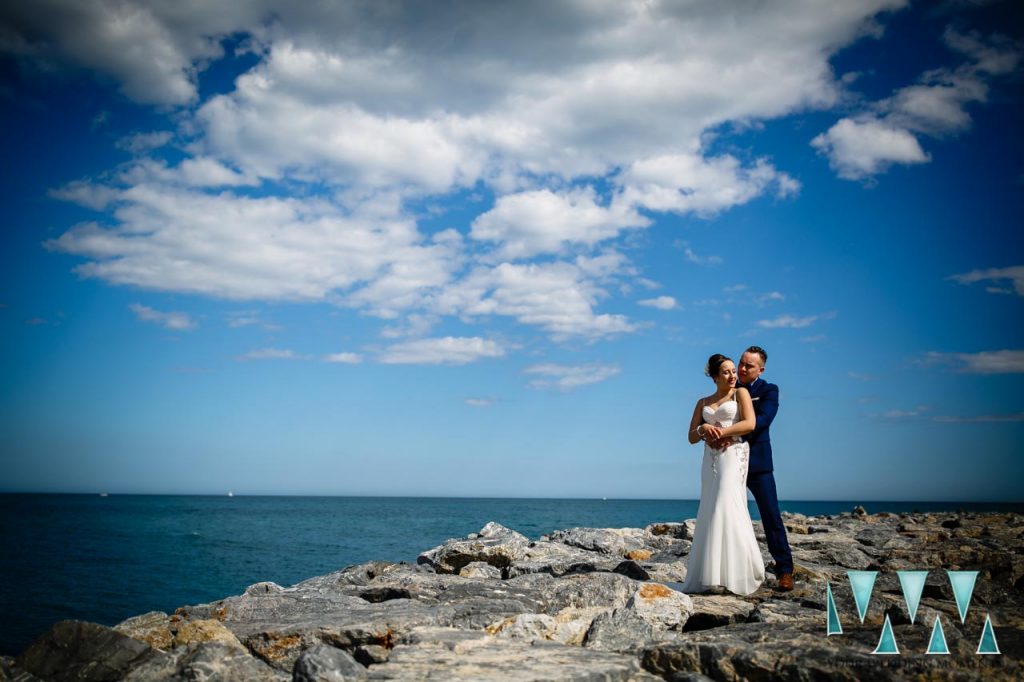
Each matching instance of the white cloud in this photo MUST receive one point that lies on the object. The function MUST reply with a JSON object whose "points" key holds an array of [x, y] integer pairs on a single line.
{"points": [[868, 143], [568, 377], [382, 106], [88, 194], [344, 358], [479, 402], [792, 322], [1014, 274], [448, 351], [858, 148], [559, 297], [139, 143], [173, 239], [542, 221], [986, 362], [691, 183], [272, 354], [174, 320], [661, 303]]}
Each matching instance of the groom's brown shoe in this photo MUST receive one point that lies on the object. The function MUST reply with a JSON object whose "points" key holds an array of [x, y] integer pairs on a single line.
{"points": [[786, 582]]}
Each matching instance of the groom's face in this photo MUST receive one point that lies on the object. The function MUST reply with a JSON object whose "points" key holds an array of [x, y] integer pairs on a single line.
{"points": [[750, 367]]}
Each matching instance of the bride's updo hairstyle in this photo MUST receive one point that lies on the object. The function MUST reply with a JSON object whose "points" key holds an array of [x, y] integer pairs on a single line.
{"points": [[715, 365]]}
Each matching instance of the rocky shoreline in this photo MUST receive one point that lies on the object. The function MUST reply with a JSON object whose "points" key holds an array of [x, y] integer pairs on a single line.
{"points": [[585, 604]]}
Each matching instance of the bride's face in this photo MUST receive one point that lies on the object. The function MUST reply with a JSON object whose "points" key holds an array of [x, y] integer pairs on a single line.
{"points": [[726, 378]]}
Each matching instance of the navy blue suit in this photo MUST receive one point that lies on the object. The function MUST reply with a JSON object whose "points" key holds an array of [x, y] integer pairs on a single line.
{"points": [[760, 476]]}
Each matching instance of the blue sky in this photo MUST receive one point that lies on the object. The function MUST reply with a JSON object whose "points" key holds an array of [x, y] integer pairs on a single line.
{"points": [[485, 250]]}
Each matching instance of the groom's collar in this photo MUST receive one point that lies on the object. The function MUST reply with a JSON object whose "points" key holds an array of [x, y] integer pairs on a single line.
{"points": [[751, 384]]}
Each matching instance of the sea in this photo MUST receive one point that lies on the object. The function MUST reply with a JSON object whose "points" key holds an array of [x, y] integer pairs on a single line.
{"points": [[106, 558]]}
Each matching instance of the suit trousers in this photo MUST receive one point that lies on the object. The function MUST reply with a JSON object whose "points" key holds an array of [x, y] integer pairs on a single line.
{"points": [[762, 485]]}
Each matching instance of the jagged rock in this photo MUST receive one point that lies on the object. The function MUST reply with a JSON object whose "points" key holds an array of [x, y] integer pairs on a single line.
{"points": [[653, 613], [322, 663], [153, 628], [557, 609], [77, 650], [434, 654], [206, 662], [479, 569], [715, 611], [9, 672], [681, 531], [207, 630], [495, 544], [372, 654], [666, 571], [613, 541]]}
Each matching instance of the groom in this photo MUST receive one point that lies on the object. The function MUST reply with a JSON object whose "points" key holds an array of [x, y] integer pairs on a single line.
{"points": [[760, 477]]}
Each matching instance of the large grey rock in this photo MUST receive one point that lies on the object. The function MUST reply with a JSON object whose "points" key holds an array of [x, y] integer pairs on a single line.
{"points": [[78, 650], [436, 655], [654, 613], [206, 662], [322, 663], [494, 544], [617, 542]]}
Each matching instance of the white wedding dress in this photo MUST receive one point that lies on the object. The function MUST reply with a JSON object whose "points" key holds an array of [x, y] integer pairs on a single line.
{"points": [[724, 550]]}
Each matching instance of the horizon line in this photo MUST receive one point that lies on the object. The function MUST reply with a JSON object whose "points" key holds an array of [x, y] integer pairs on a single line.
{"points": [[483, 497]]}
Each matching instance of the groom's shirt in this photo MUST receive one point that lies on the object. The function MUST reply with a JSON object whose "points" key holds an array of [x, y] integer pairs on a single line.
{"points": [[765, 397]]}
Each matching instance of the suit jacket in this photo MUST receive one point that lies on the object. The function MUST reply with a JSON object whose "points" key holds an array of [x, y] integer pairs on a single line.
{"points": [[765, 397]]}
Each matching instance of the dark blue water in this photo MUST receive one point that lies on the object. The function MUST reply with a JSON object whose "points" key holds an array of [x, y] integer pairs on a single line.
{"points": [[104, 559]]}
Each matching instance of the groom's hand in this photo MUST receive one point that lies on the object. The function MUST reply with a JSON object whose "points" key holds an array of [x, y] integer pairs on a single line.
{"points": [[720, 443]]}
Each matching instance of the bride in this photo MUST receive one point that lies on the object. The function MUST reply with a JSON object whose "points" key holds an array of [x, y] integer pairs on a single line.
{"points": [[724, 551]]}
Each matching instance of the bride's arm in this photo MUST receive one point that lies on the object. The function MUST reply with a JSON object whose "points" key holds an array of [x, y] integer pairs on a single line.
{"points": [[746, 411], [695, 423]]}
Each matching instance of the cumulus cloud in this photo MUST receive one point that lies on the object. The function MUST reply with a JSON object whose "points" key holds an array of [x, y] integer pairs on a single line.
{"points": [[859, 148], [449, 350], [986, 362], [568, 377], [1014, 275], [661, 303], [542, 221], [174, 320], [359, 109], [559, 297], [691, 183], [870, 142]]}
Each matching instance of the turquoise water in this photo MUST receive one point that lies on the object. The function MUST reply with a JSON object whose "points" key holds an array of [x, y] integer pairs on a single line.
{"points": [[104, 559]]}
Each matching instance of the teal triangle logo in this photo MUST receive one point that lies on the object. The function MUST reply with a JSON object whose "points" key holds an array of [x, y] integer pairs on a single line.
{"points": [[834, 628], [987, 644], [937, 644], [963, 587], [887, 642], [862, 582], [912, 584]]}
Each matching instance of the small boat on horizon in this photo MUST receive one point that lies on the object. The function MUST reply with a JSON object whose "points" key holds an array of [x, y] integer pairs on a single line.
{"points": [[231, 493]]}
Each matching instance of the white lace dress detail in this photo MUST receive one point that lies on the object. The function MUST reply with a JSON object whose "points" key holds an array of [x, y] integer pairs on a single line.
{"points": [[724, 551]]}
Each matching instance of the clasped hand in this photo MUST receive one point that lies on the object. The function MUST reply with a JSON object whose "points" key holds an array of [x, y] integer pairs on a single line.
{"points": [[713, 436]]}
